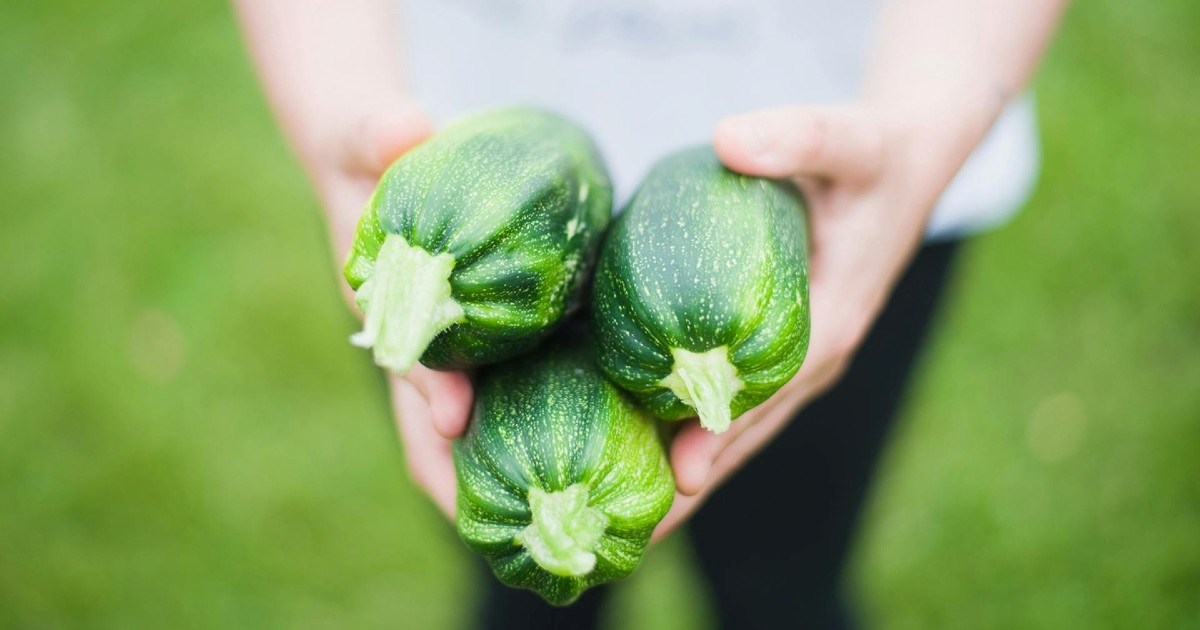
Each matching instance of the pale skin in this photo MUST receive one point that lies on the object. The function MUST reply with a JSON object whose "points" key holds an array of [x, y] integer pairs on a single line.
{"points": [[939, 74]]}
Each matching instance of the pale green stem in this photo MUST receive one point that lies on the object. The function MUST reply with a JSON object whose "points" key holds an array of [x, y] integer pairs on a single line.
{"points": [[706, 382], [563, 535], [407, 303]]}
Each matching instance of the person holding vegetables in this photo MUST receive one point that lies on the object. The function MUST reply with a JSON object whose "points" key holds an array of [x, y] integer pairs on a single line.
{"points": [[903, 122]]}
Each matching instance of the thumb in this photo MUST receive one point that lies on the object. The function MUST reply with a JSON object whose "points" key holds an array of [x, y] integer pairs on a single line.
{"points": [[378, 139], [825, 142], [693, 452], [449, 395]]}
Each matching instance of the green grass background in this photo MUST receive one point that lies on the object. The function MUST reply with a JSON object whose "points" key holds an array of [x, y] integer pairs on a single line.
{"points": [[187, 439]]}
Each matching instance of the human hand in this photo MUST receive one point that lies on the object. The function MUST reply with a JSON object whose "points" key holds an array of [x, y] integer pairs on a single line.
{"points": [[868, 199], [347, 159], [432, 408]]}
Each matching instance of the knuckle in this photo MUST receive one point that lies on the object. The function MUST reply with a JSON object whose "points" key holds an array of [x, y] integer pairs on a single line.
{"points": [[813, 139], [849, 339], [873, 147], [830, 378], [871, 139], [835, 373]]}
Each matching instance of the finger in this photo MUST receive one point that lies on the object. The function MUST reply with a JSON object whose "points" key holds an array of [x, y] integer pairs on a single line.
{"points": [[681, 509], [430, 461], [755, 436], [759, 426], [449, 396], [694, 449], [377, 140], [345, 199], [692, 453], [827, 142], [711, 469]]}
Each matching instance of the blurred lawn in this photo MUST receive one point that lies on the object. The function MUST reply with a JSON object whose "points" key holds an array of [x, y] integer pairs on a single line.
{"points": [[187, 439]]}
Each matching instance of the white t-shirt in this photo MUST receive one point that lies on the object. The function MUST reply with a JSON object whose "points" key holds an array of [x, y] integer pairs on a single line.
{"points": [[647, 77]]}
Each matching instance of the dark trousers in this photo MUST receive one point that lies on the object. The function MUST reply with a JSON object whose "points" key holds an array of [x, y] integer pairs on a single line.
{"points": [[773, 540]]}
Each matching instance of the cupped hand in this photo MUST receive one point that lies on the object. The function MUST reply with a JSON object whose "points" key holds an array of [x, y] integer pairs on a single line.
{"points": [[432, 408], [868, 202]]}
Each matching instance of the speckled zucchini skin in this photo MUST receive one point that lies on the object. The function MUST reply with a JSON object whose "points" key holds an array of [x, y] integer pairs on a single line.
{"points": [[550, 420], [701, 258], [519, 198]]}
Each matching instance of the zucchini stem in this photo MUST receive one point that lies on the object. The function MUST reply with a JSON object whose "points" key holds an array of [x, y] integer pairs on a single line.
{"points": [[706, 382], [563, 534], [407, 302]]}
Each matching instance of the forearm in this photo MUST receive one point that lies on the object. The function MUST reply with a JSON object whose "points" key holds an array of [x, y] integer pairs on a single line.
{"points": [[323, 63], [941, 71]]}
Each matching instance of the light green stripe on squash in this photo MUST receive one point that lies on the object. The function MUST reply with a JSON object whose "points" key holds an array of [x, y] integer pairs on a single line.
{"points": [[701, 293], [561, 477], [510, 206]]}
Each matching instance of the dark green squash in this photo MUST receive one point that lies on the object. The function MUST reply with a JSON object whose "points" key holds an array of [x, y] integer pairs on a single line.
{"points": [[701, 293], [477, 242], [561, 478]]}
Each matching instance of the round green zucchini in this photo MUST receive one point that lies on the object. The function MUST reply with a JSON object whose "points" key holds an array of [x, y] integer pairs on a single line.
{"points": [[478, 241], [561, 478], [701, 294]]}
